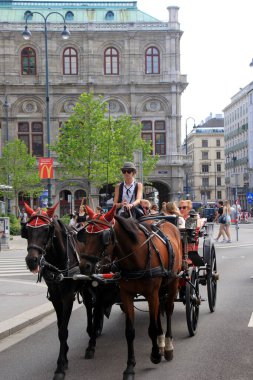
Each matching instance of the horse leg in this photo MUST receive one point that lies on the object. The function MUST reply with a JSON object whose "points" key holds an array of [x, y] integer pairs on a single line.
{"points": [[128, 301], [169, 349], [63, 312], [88, 302], [153, 302], [161, 335]]}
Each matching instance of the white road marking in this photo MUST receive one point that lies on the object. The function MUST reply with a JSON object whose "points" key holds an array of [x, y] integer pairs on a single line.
{"points": [[251, 321]]}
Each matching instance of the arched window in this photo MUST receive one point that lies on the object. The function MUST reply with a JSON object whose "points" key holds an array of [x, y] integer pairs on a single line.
{"points": [[109, 15], [70, 62], [69, 16], [28, 61], [152, 61], [111, 61]]}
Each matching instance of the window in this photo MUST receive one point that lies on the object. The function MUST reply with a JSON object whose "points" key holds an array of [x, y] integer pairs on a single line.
{"points": [[28, 61], [219, 196], [205, 168], [109, 15], [218, 181], [111, 61], [218, 167], [155, 132], [152, 61], [204, 143], [205, 155], [205, 181], [32, 135], [218, 155], [217, 142], [70, 66]]}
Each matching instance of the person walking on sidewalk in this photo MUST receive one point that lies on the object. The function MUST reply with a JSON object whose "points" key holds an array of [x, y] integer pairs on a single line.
{"points": [[227, 215], [221, 228]]}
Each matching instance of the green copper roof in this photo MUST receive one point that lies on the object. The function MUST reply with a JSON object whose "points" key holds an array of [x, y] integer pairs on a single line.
{"points": [[82, 11]]}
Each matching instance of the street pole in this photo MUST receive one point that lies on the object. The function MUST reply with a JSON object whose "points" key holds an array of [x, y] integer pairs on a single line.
{"points": [[65, 35], [186, 153], [6, 107], [235, 198]]}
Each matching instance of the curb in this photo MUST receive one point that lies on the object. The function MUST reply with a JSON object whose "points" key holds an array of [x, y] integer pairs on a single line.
{"points": [[25, 319]]}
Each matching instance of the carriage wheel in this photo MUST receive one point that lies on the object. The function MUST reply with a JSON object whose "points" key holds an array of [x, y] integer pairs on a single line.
{"points": [[212, 277], [192, 302]]}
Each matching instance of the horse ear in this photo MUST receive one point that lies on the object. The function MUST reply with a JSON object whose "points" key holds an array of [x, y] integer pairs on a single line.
{"points": [[28, 209], [110, 214], [89, 211], [51, 210]]}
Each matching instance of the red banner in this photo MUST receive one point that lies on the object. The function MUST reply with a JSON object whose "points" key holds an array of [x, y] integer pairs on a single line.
{"points": [[46, 169]]}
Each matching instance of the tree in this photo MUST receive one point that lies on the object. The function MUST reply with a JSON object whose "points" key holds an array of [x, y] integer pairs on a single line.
{"points": [[94, 146], [19, 169]]}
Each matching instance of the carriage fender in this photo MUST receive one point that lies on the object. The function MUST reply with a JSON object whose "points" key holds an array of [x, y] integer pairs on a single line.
{"points": [[207, 249]]}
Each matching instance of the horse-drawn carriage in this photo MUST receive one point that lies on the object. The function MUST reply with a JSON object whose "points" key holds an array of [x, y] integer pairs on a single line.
{"points": [[148, 257], [199, 267]]}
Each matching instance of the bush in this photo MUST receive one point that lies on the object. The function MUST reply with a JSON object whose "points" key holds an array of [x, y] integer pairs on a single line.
{"points": [[14, 225]]}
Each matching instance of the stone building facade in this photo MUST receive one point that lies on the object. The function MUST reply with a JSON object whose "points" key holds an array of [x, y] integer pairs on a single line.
{"points": [[206, 170], [114, 50]]}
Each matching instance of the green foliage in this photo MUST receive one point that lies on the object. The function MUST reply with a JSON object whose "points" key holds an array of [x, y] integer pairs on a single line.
{"points": [[92, 146], [19, 169], [15, 227], [65, 219]]}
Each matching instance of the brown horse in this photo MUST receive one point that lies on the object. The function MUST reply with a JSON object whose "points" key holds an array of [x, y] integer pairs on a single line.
{"points": [[149, 260]]}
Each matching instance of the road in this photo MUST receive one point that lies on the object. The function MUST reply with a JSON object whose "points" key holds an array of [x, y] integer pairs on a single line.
{"points": [[221, 349]]}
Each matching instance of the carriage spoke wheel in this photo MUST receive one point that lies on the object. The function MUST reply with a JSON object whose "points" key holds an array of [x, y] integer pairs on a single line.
{"points": [[212, 277], [192, 302]]}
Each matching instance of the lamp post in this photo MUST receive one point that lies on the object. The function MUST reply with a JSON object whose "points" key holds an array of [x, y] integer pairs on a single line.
{"points": [[65, 35], [186, 152], [6, 106]]}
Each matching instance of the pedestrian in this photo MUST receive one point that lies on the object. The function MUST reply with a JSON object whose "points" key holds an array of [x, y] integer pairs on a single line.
{"points": [[81, 217], [221, 224], [128, 193], [72, 221], [227, 217], [23, 216]]}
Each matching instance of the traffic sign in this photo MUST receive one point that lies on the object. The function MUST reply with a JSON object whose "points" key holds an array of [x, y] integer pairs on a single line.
{"points": [[249, 197]]}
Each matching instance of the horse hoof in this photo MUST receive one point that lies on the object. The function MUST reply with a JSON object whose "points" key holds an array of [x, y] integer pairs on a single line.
{"points": [[59, 376], [89, 354], [155, 359], [128, 376], [168, 355]]}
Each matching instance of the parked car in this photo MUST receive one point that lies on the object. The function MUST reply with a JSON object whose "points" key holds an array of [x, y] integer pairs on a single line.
{"points": [[208, 213]]}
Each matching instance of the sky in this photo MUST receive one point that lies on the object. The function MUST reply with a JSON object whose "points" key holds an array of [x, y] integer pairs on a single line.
{"points": [[216, 50]]}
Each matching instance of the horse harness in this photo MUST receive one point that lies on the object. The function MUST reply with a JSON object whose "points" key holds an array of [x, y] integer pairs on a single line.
{"points": [[108, 236], [47, 270]]}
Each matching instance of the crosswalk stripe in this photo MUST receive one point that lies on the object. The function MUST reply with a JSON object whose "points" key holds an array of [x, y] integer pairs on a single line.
{"points": [[13, 267]]}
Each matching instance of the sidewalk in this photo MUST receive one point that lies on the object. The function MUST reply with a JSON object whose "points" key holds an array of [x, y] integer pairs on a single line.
{"points": [[23, 300]]}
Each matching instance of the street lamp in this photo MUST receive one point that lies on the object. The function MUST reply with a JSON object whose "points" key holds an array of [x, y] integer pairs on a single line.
{"points": [[186, 152], [6, 106], [65, 35]]}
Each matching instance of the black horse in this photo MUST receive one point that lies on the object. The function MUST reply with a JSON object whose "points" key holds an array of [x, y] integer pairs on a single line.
{"points": [[53, 253]]}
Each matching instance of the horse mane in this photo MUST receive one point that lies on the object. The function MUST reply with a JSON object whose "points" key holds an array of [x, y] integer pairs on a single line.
{"points": [[130, 226]]}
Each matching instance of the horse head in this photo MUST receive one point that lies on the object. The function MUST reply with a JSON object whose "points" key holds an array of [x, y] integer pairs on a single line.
{"points": [[98, 236], [38, 231]]}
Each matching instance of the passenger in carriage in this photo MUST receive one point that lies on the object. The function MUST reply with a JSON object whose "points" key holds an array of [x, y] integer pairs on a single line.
{"points": [[128, 193], [145, 205], [185, 206], [172, 209]]}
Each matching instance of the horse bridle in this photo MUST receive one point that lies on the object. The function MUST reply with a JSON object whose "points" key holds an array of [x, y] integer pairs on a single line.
{"points": [[108, 236]]}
